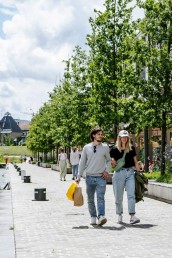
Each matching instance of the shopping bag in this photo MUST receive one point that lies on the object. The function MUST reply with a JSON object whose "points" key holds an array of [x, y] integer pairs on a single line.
{"points": [[71, 190], [78, 197]]}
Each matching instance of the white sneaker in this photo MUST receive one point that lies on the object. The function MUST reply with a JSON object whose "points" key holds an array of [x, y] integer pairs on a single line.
{"points": [[134, 219], [93, 221], [120, 218], [102, 220]]}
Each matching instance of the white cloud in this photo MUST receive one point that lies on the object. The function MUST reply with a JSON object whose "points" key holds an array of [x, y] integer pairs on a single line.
{"points": [[38, 36]]}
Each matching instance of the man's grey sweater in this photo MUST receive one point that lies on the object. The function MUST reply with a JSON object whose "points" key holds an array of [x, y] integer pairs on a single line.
{"points": [[94, 163]]}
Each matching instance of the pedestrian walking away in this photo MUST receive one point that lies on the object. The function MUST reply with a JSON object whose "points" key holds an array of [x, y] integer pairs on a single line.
{"points": [[6, 159], [123, 177], [94, 165], [74, 160], [62, 161], [21, 159]]}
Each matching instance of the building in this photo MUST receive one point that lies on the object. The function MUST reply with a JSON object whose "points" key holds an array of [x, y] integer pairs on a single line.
{"points": [[9, 130]]}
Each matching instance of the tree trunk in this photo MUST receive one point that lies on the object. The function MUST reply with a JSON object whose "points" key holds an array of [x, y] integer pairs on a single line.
{"points": [[146, 149], [163, 141]]}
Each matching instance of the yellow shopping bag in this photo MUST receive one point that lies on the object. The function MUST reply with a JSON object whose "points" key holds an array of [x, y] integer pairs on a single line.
{"points": [[71, 191]]}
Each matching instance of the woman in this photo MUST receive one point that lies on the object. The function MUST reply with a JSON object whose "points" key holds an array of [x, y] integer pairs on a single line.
{"points": [[124, 177], [74, 160], [62, 161]]}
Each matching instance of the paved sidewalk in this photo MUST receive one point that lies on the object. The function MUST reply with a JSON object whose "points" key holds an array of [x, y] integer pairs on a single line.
{"points": [[55, 228]]}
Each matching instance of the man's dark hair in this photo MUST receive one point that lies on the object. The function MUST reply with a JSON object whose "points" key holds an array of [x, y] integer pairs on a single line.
{"points": [[95, 131]]}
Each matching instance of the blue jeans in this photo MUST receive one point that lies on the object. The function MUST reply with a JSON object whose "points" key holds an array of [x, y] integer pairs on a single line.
{"points": [[124, 179], [96, 184], [75, 170]]}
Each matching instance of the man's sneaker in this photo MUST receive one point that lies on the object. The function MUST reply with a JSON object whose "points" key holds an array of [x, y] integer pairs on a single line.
{"points": [[119, 218], [134, 219], [102, 220], [93, 221]]}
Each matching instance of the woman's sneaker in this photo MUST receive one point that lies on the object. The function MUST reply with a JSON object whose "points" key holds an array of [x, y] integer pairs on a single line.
{"points": [[134, 219], [119, 219], [93, 221], [102, 220]]}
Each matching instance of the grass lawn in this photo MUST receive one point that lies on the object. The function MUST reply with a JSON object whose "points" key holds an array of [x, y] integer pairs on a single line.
{"points": [[13, 151]]}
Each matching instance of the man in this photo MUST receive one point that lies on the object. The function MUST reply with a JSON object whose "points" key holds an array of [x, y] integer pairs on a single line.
{"points": [[95, 163]]}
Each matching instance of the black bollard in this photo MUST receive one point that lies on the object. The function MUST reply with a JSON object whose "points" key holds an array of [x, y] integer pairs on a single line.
{"points": [[26, 179], [40, 194]]}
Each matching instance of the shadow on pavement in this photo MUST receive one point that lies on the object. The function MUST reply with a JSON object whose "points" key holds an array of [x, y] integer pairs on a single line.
{"points": [[138, 225], [74, 214], [100, 227]]}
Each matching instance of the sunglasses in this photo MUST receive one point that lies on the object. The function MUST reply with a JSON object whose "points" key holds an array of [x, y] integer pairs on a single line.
{"points": [[94, 149]]}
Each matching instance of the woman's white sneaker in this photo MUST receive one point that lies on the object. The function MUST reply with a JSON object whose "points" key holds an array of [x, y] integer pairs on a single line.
{"points": [[119, 219], [134, 219]]}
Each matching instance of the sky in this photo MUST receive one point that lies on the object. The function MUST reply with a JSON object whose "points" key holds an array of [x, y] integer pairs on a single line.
{"points": [[35, 37]]}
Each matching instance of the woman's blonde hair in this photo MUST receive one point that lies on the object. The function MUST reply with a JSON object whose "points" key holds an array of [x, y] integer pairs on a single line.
{"points": [[128, 144]]}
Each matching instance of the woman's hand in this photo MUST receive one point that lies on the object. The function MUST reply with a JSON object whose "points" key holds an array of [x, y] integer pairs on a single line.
{"points": [[77, 180], [113, 162]]}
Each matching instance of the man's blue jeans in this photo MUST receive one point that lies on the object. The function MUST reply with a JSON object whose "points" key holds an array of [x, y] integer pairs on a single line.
{"points": [[96, 184], [75, 170], [124, 179]]}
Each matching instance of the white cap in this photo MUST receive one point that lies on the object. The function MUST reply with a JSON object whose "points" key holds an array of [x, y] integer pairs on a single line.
{"points": [[123, 133]]}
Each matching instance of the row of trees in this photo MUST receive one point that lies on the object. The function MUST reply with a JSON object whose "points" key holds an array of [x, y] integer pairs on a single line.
{"points": [[125, 76]]}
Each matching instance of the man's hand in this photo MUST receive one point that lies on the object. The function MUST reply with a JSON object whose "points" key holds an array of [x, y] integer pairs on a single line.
{"points": [[105, 175], [78, 180]]}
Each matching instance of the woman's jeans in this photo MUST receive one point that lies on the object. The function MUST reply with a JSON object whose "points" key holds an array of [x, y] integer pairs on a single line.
{"points": [[75, 170], [124, 179], [96, 184]]}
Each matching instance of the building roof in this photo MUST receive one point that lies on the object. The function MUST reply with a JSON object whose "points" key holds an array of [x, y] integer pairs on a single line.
{"points": [[24, 126], [9, 125]]}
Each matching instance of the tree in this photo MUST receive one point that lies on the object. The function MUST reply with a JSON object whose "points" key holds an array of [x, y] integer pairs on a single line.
{"points": [[156, 29], [109, 31]]}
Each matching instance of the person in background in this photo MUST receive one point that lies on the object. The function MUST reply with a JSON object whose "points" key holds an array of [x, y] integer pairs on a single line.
{"points": [[62, 161], [124, 178], [31, 160], [74, 160], [25, 158], [6, 159], [21, 159], [95, 164]]}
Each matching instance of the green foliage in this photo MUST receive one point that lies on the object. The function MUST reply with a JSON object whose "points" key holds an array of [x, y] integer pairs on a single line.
{"points": [[153, 175], [167, 178], [125, 77]]}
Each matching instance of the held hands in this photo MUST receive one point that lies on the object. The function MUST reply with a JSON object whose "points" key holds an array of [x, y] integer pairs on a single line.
{"points": [[105, 175]]}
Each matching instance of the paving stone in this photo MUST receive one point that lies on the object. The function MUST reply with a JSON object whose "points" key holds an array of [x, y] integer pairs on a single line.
{"points": [[55, 228]]}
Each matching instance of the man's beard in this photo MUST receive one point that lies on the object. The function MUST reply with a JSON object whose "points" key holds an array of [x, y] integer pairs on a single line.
{"points": [[99, 140]]}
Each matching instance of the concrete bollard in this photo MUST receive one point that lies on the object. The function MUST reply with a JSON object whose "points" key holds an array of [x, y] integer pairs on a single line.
{"points": [[26, 179], [23, 173], [40, 194]]}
